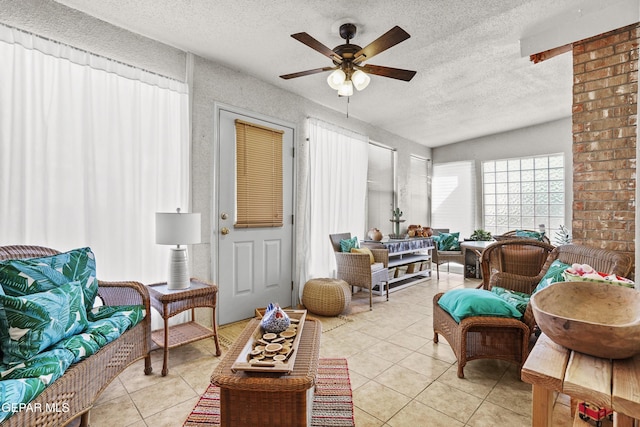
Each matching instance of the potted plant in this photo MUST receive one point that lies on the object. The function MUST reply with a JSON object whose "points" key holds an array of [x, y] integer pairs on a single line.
{"points": [[481, 235]]}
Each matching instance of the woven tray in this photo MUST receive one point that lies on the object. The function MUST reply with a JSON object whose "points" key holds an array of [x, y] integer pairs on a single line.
{"points": [[242, 361]]}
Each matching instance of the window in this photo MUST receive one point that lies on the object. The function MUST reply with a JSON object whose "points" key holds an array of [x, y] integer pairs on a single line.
{"points": [[380, 187], [524, 193], [419, 191], [454, 197], [258, 176]]}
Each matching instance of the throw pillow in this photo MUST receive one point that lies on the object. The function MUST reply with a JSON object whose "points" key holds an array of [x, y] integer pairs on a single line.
{"points": [[29, 324], [463, 303], [530, 234], [20, 277], [554, 274], [519, 300], [364, 251], [347, 244], [449, 241]]}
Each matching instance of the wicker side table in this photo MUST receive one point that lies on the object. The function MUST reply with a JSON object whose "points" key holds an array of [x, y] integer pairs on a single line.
{"points": [[265, 399], [170, 302]]}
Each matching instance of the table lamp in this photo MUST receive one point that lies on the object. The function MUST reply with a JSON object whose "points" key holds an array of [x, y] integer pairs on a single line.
{"points": [[178, 229]]}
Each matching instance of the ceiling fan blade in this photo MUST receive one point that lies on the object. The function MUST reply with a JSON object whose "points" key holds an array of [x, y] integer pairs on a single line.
{"points": [[316, 45], [382, 43], [306, 73], [394, 73]]}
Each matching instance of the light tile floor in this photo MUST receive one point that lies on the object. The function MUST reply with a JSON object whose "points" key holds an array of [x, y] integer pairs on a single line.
{"points": [[399, 376]]}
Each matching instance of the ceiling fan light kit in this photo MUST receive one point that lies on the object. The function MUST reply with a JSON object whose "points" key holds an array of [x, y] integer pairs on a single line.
{"points": [[349, 70]]}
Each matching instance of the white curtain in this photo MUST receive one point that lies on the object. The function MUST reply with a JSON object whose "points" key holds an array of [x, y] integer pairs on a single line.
{"points": [[90, 149], [335, 195]]}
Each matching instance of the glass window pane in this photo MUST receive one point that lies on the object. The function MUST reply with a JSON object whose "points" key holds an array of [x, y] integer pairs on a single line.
{"points": [[514, 187], [542, 174], [514, 210], [513, 165], [502, 199], [489, 199], [542, 198], [556, 198], [556, 173], [502, 188], [489, 189], [489, 210], [541, 162], [528, 223], [556, 162], [514, 222], [526, 175], [528, 209], [501, 177], [488, 167], [542, 186], [526, 163], [514, 199], [489, 177], [528, 198], [501, 166]]}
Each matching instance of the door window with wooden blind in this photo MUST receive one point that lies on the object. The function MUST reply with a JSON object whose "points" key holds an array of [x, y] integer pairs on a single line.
{"points": [[258, 176]]}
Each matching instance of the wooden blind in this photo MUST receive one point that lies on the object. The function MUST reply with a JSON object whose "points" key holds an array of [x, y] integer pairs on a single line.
{"points": [[258, 176]]}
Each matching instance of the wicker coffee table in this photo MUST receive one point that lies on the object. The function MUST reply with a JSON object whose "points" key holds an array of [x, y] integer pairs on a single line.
{"points": [[269, 399], [170, 302]]}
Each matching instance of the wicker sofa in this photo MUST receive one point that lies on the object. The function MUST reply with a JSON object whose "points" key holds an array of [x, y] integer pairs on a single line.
{"points": [[83, 382], [508, 338]]}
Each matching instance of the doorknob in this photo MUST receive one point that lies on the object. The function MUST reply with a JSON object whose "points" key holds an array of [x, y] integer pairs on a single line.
{"points": [[224, 231]]}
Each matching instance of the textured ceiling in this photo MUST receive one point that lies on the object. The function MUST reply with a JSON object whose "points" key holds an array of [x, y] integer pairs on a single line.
{"points": [[471, 79]]}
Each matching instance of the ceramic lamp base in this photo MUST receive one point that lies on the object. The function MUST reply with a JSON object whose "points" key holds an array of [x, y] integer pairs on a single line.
{"points": [[178, 269]]}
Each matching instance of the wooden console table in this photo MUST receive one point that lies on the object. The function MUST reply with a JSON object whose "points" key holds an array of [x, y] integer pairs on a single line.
{"points": [[256, 398], [614, 384]]}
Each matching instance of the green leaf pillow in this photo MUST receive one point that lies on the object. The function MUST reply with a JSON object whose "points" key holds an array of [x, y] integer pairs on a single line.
{"points": [[29, 324], [463, 303], [449, 241], [553, 275], [530, 234], [347, 244], [14, 392], [20, 277], [519, 300]]}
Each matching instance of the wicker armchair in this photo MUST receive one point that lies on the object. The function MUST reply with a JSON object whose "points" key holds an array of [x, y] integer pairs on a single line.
{"points": [[496, 337], [83, 382], [357, 270], [445, 257]]}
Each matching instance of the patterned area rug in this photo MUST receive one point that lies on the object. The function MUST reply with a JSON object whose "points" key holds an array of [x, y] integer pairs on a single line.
{"points": [[332, 401]]}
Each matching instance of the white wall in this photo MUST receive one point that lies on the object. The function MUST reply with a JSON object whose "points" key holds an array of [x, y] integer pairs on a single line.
{"points": [[546, 138], [211, 82]]}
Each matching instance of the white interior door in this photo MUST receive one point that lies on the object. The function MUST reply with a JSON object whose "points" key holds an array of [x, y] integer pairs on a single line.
{"points": [[254, 265]]}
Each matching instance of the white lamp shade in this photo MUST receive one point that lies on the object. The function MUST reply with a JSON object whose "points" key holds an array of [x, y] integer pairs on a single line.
{"points": [[360, 79], [346, 89], [336, 79], [177, 228]]}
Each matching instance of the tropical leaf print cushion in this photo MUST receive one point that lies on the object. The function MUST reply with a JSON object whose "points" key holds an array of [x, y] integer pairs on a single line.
{"points": [[48, 366], [20, 277], [32, 323], [14, 392]]}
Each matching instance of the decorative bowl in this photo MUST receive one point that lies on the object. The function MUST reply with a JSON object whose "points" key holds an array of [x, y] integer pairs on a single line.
{"points": [[594, 318]]}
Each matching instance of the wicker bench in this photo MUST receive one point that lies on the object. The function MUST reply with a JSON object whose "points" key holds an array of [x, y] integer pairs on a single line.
{"points": [[82, 383]]}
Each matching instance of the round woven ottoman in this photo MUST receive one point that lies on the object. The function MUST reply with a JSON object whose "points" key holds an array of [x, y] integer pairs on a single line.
{"points": [[326, 297]]}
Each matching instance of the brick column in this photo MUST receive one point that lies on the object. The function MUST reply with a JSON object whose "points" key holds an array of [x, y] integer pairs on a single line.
{"points": [[605, 87]]}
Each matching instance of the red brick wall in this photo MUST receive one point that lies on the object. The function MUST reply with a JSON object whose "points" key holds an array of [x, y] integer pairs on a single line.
{"points": [[605, 87]]}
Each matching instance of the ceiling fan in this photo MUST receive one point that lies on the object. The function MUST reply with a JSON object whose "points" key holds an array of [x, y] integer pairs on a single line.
{"points": [[348, 59]]}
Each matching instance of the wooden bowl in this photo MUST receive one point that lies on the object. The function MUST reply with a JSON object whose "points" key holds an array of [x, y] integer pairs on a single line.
{"points": [[598, 319]]}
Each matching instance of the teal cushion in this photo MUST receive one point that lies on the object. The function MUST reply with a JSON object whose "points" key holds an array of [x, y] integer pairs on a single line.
{"points": [[347, 244], [29, 324], [530, 234], [462, 303], [20, 277], [15, 392], [519, 300], [554, 274], [449, 241]]}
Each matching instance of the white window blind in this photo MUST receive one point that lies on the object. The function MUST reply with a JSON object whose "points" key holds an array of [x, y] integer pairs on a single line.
{"points": [[418, 191], [380, 189], [453, 198]]}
